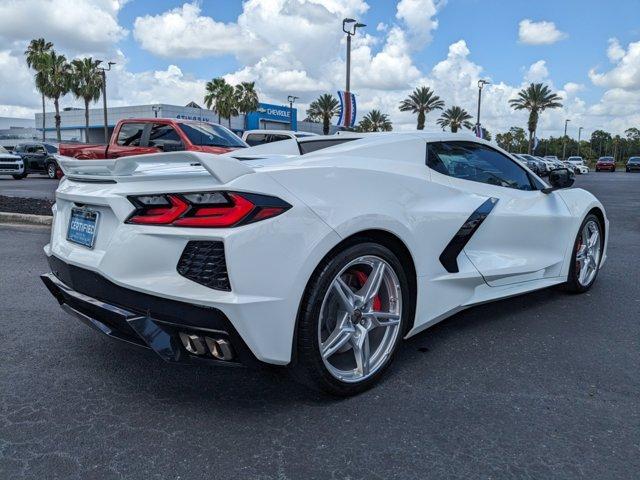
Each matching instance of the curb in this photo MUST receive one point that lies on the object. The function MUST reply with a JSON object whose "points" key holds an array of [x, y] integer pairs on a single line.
{"points": [[25, 219]]}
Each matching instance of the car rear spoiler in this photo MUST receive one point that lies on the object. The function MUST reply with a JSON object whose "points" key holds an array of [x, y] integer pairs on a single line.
{"points": [[146, 167]]}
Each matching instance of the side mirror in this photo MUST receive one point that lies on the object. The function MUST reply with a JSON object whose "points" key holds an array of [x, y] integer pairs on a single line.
{"points": [[560, 178]]}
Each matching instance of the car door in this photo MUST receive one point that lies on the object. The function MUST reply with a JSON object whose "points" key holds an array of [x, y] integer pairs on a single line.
{"points": [[132, 139], [521, 233]]}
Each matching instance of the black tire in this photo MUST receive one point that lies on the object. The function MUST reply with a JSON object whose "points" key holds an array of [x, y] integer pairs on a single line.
{"points": [[573, 285], [52, 170], [18, 177], [309, 368]]}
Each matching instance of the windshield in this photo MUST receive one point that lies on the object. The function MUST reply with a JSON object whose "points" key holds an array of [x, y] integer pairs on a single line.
{"points": [[575, 159], [206, 134], [606, 159], [634, 160]]}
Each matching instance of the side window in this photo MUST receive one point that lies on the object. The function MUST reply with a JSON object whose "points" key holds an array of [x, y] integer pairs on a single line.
{"points": [[477, 163], [39, 149], [256, 139], [31, 149], [130, 134], [277, 138], [162, 136]]}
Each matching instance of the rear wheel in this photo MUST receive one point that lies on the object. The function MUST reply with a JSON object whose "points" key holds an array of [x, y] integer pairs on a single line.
{"points": [[351, 320], [52, 170], [587, 254]]}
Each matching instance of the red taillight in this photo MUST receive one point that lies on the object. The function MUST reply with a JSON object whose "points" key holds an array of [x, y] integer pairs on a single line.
{"points": [[209, 209]]}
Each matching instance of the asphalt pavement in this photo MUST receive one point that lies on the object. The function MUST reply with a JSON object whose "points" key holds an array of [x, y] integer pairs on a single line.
{"points": [[34, 186], [541, 386]]}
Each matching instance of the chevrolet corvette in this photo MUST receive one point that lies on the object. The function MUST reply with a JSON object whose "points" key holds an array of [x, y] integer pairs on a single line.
{"points": [[320, 254]]}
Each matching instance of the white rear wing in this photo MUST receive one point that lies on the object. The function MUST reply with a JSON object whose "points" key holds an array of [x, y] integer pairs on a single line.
{"points": [[147, 167]]}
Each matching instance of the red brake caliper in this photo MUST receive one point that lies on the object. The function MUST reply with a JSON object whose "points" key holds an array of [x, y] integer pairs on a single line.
{"points": [[362, 279]]}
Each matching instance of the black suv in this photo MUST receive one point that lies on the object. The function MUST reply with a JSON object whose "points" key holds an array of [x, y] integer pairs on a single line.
{"points": [[38, 158]]}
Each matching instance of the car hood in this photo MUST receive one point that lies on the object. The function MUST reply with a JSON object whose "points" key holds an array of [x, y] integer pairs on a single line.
{"points": [[10, 156]]}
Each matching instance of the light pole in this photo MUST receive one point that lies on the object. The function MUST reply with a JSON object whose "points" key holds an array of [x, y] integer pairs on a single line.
{"points": [[579, 132], [564, 140], [349, 26], [481, 83], [291, 99], [104, 97]]}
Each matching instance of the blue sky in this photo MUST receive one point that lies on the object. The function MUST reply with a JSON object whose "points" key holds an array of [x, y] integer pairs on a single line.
{"points": [[167, 49], [490, 29]]}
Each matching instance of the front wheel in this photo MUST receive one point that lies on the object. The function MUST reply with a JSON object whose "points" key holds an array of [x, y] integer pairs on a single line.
{"points": [[587, 254], [351, 320]]}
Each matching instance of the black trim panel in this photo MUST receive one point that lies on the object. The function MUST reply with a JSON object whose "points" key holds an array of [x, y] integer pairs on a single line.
{"points": [[449, 256], [173, 314]]}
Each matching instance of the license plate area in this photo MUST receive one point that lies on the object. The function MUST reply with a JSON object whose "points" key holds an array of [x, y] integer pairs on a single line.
{"points": [[83, 225]]}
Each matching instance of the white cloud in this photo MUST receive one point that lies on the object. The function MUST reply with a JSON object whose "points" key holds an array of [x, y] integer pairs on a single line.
{"points": [[419, 17], [88, 26], [537, 72], [539, 33], [183, 32], [626, 72]]}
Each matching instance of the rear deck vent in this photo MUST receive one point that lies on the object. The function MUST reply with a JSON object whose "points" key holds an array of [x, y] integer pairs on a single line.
{"points": [[204, 263]]}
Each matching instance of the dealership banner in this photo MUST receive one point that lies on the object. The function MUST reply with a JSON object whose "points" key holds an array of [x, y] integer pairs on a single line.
{"points": [[347, 117]]}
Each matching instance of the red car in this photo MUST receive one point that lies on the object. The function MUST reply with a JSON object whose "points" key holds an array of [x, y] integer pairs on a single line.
{"points": [[137, 136], [606, 164]]}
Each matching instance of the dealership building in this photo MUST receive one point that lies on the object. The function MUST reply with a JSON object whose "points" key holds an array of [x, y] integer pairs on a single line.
{"points": [[72, 121]]}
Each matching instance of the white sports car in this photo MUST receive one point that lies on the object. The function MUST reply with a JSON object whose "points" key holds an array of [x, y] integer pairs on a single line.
{"points": [[319, 253]]}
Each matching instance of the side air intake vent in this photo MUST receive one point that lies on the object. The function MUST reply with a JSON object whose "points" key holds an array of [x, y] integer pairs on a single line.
{"points": [[204, 263]]}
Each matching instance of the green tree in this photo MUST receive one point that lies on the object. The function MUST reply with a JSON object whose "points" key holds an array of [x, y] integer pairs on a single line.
{"points": [[515, 140], [246, 99], [58, 82], [86, 83], [486, 134], [601, 142], [375, 121], [325, 107], [226, 103], [421, 101], [536, 98], [213, 95], [35, 55], [455, 118]]}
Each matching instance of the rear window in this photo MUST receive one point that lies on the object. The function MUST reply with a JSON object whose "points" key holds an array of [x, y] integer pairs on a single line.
{"points": [[209, 135], [254, 139], [308, 147], [130, 134]]}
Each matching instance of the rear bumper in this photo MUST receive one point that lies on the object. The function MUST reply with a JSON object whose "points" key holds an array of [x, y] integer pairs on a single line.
{"points": [[141, 319]]}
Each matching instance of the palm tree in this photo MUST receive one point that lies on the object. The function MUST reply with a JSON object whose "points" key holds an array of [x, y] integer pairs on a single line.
{"points": [[213, 93], [536, 98], [421, 101], [35, 54], [325, 107], [246, 99], [86, 83], [226, 104], [58, 82], [375, 121], [455, 118]]}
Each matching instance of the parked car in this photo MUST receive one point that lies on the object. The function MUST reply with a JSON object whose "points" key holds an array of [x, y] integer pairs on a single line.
{"points": [[553, 158], [576, 160], [633, 164], [38, 157], [530, 162], [259, 137], [606, 164], [11, 164], [542, 165], [287, 258], [138, 136]]}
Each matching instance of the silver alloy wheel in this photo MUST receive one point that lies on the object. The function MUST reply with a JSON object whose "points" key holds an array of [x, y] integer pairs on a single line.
{"points": [[588, 253], [51, 170], [360, 319]]}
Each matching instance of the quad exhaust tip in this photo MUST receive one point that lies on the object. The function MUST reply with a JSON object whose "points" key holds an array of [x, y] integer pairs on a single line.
{"points": [[202, 346]]}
